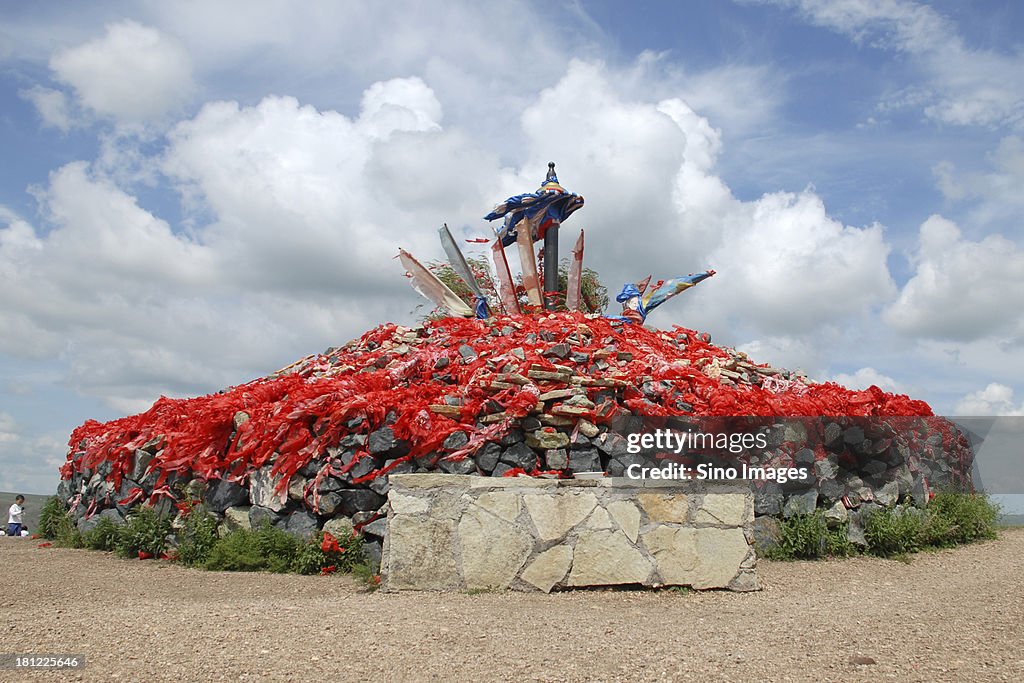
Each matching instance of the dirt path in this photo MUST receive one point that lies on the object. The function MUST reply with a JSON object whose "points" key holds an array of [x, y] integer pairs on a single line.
{"points": [[950, 615]]}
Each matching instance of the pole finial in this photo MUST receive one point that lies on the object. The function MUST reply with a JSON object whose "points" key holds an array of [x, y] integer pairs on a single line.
{"points": [[551, 172]]}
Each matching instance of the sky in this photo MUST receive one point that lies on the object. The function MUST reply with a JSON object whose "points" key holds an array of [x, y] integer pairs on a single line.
{"points": [[195, 194]]}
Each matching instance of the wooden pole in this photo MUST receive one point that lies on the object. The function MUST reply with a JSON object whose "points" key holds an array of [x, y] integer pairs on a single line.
{"points": [[551, 265]]}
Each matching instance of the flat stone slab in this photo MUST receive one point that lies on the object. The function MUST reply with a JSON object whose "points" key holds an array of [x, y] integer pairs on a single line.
{"points": [[463, 532]]}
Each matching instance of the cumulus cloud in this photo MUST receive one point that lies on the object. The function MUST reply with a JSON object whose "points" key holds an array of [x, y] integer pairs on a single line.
{"points": [[27, 463], [51, 104], [292, 215], [656, 205], [960, 290], [962, 86], [133, 73], [866, 377], [996, 191], [995, 399]]}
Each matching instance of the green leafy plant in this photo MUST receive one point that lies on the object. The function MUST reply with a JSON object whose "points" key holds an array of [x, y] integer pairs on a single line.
{"points": [[364, 573], [960, 518], [249, 550], [801, 537], [325, 554], [68, 535], [808, 537], [103, 536], [198, 536], [143, 533], [52, 516], [894, 531]]}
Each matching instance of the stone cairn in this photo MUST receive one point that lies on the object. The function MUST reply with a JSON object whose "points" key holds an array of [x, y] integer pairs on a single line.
{"points": [[311, 445]]}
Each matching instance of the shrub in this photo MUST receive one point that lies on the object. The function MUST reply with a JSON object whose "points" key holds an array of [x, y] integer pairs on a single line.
{"points": [[103, 536], [56, 524], [894, 531], [144, 532], [960, 518], [808, 537], [325, 554], [198, 537], [264, 549], [68, 535], [802, 537], [51, 517]]}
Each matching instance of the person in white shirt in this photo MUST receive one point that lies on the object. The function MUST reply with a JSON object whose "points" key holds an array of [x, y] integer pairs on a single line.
{"points": [[14, 517]]}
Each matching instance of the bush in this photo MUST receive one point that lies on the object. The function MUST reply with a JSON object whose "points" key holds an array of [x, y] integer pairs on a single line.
{"points": [[894, 531], [325, 554], [808, 537], [264, 549], [198, 537], [51, 517], [960, 518], [144, 532], [68, 535], [103, 536], [56, 524]]}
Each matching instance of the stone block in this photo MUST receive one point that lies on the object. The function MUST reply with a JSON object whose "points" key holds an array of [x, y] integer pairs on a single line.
{"points": [[420, 554], [627, 516], [554, 515], [665, 507], [702, 557], [262, 493], [723, 508], [493, 549], [548, 568], [607, 558]]}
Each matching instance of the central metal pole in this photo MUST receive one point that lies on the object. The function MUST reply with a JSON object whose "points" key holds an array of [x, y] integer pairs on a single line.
{"points": [[551, 265]]}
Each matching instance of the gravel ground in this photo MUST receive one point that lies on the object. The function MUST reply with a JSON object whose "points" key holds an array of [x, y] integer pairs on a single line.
{"points": [[949, 615]]}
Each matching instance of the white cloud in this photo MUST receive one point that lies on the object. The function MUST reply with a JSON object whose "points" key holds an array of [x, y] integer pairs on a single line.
{"points": [[995, 399], [293, 214], [866, 377], [655, 205], [997, 191], [297, 215], [961, 290], [962, 86], [133, 73], [8, 429], [795, 269], [28, 463], [51, 104], [791, 352]]}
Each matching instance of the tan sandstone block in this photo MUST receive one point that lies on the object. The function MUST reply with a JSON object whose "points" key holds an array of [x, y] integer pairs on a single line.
{"points": [[548, 568], [403, 504], [504, 504], [606, 558], [554, 515], [702, 558], [627, 517], [420, 554], [664, 507], [493, 550], [599, 519], [723, 508]]}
